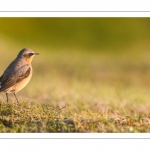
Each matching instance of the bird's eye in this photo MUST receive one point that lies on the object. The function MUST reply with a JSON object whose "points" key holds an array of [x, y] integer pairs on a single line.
{"points": [[30, 54]]}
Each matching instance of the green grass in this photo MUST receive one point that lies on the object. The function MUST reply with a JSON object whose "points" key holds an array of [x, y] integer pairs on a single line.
{"points": [[78, 91]]}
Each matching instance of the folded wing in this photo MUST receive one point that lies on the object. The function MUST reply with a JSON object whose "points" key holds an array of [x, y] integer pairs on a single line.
{"points": [[9, 79]]}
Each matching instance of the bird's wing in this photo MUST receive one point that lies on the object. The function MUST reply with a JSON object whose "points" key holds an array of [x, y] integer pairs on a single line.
{"points": [[8, 80]]}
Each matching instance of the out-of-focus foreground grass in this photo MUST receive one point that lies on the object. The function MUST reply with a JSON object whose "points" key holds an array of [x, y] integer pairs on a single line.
{"points": [[74, 90]]}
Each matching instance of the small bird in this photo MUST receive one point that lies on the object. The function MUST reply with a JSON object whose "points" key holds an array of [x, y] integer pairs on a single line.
{"points": [[18, 73]]}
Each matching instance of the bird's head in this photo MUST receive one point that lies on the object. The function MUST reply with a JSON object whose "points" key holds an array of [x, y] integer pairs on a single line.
{"points": [[27, 54]]}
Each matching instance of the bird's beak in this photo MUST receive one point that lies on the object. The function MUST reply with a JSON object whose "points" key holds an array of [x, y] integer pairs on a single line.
{"points": [[36, 53]]}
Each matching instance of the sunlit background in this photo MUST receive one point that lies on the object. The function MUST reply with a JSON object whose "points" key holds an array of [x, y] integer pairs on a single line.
{"points": [[89, 52], [99, 34], [98, 67]]}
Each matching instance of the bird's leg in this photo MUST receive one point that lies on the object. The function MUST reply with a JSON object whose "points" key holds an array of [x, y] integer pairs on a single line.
{"points": [[7, 97], [16, 98]]}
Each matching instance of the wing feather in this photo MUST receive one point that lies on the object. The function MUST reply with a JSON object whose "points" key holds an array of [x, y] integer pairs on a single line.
{"points": [[8, 80]]}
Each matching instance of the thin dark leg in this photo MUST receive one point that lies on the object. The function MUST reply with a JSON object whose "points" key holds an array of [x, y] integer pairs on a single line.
{"points": [[16, 98], [7, 97]]}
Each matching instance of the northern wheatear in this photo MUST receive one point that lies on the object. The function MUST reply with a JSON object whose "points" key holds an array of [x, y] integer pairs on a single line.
{"points": [[18, 73]]}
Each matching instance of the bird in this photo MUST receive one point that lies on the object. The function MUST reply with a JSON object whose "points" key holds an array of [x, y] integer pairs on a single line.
{"points": [[18, 74]]}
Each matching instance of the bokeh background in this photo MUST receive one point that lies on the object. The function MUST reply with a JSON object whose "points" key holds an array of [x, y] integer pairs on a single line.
{"points": [[76, 33], [81, 58]]}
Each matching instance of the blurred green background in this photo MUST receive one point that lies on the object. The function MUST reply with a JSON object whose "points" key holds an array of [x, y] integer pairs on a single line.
{"points": [[79, 51], [76, 33]]}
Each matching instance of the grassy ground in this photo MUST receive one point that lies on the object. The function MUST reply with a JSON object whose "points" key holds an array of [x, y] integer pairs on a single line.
{"points": [[82, 92]]}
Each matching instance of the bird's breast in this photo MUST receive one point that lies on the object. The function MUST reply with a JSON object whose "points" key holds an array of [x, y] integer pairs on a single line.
{"points": [[20, 85]]}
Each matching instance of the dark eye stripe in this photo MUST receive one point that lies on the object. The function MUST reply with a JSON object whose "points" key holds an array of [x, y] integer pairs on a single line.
{"points": [[30, 54]]}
